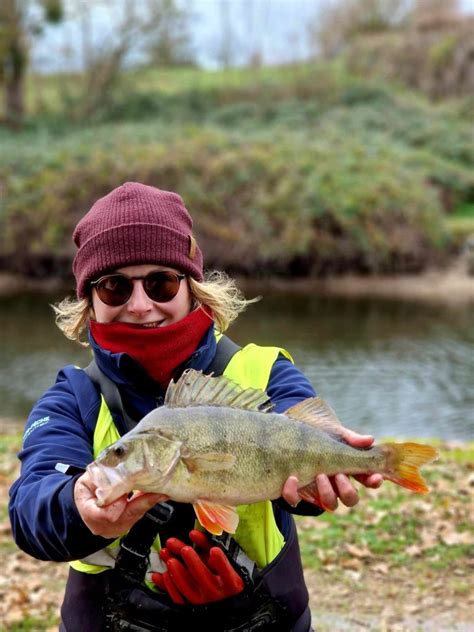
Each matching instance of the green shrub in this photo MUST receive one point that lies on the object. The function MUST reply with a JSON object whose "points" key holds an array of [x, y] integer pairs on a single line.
{"points": [[297, 170], [317, 204]]}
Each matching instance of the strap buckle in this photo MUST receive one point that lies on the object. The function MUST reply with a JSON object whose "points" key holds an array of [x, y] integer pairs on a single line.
{"points": [[132, 558], [160, 514]]}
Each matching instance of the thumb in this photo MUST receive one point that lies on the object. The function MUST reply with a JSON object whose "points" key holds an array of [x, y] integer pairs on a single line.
{"points": [[357, 440], [140, 503]]}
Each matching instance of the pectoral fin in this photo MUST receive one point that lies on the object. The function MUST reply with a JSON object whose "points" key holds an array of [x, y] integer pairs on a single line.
{"points": [[210, 462], [216, 518]]}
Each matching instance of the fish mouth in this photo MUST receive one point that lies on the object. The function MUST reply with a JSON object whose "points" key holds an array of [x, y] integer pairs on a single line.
{"points": [[110, 482]]}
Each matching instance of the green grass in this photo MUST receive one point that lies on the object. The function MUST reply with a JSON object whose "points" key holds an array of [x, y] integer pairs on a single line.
{"points": [[33, 624]]}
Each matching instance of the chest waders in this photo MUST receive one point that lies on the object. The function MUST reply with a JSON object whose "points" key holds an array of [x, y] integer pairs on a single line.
{"points": [[275, 598]]}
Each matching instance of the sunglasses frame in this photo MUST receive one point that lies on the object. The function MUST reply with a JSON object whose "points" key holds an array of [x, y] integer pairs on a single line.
{"points": [[95, 284]]}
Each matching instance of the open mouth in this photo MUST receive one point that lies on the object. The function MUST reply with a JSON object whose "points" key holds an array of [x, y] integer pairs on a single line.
{"points": [[155, 323], [110, 482]]}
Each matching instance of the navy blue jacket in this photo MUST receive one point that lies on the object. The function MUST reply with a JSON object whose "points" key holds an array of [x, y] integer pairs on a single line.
{"points": [[60, 428]]}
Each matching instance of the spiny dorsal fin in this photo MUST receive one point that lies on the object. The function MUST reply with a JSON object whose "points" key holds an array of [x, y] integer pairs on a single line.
{"points": [[196, 389], [315, 412]]}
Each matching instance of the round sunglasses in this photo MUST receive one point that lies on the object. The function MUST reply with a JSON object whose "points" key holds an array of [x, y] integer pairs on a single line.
{"points": [[116, 289]]}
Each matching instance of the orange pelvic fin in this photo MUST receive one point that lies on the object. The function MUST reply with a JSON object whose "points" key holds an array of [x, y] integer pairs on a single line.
{"points": [[310, 493], [216, 518], [404, 461]]}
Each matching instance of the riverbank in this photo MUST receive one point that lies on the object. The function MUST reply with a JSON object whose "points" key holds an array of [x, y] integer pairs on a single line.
{"points": [[397, 562], [452, 285]]}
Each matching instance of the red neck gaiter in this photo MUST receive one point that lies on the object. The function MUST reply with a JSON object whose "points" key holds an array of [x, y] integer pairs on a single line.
{"points": [[160, 350]]}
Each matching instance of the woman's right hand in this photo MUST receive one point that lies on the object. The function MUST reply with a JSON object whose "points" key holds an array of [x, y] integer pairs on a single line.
{"points": [[111, 521]]}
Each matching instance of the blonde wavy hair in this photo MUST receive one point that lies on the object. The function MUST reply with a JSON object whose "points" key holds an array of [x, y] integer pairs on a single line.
{"points": [[217, 293]]}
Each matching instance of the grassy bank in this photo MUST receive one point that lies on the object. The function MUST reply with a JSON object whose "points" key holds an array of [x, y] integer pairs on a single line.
{"points": [[394, 562], [294, 171]]}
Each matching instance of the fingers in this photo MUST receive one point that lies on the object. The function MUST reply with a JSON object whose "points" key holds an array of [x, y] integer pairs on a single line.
{"points": [[174, 545], [290, 491], [165, 583], [200, 539], [195, 581], [373, 481], [139, 504], [197, 577], [340, 487], [113, 519], [182, 580], [232, 582], [345, 490], [157, 579], [200, 573], [171, 589], [326, 492]]}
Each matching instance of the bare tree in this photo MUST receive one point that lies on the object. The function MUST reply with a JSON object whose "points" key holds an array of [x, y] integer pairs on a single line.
{"points": [[20, 20], [153, 30], [343, 20], [225, 53], [169, 42]]}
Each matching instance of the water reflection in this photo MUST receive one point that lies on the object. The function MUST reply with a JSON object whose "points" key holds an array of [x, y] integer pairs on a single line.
{"points": [[390, 368]]}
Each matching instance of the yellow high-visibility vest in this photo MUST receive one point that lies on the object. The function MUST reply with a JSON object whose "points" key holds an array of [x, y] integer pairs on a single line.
{"points": [[257, 533]]}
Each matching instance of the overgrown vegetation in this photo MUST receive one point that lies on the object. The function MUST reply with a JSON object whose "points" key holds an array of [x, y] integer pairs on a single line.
{"points": [[302, 170]]}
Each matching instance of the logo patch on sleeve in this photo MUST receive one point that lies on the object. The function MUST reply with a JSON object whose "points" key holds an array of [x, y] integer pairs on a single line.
{"points": [[34, 426]]}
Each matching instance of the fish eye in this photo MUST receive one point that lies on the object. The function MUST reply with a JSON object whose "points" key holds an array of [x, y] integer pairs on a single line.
{"points": [[119, 450]]}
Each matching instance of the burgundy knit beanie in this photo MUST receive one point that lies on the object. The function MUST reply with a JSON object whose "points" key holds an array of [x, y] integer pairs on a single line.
{"points": [[135, 224]]}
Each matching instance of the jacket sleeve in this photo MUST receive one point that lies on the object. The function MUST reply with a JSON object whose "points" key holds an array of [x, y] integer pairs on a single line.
{"points": [[44, 518], [286, 387]]}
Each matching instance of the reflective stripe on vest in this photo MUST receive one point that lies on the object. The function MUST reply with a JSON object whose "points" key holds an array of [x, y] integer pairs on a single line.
{"points": [[257, 533]]}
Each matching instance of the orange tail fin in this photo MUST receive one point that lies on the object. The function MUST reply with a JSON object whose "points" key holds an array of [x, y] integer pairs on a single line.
{"points": [[404, 461]]}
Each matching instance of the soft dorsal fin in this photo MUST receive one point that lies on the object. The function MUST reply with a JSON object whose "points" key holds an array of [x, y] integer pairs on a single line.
{"points": [[315, 412], [196, 389]]}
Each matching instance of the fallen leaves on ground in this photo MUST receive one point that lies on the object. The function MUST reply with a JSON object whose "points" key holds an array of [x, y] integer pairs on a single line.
{"points": [[396, 562]]}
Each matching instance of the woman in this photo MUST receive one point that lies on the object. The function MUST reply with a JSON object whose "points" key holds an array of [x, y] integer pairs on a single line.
{"points": [[149, 313]]}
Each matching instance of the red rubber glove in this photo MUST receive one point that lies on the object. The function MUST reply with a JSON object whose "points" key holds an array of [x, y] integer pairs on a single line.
{"points": [[197, 575]]}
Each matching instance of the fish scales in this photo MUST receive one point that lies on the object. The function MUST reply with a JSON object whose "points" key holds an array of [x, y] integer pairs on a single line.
{"points": [[233, 450], [268, 447]]}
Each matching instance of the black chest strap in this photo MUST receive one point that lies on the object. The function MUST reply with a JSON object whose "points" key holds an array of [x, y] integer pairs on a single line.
{"points": [[167, 519], [113, 399]]}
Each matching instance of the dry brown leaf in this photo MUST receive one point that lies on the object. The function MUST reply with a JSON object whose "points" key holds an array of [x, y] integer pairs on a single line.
{"points": [[428, 539], [13, 615], [352, 563], [414, 550], [360, 552], [455, 537], [354, 575], [381, 568]]}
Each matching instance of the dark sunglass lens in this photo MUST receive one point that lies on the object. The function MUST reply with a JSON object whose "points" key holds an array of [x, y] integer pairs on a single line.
{"points": [[161, 287], [115, 290]]}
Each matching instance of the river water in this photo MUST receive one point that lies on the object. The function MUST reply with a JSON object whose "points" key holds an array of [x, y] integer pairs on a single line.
{"points": [[391, 368]]}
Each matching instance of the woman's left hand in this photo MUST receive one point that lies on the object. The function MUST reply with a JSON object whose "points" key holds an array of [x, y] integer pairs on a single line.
{"points": [[332, 488]]}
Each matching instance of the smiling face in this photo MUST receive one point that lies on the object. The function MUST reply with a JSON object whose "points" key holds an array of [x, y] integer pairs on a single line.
{"points": [[140, 309]]}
